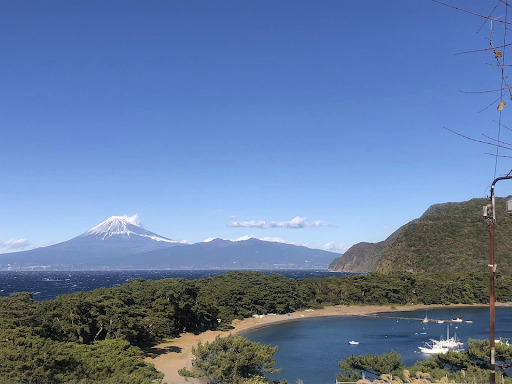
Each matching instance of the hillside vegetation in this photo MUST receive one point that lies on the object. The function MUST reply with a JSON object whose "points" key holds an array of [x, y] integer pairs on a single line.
{"points": [[97, 336], [449, 237]]}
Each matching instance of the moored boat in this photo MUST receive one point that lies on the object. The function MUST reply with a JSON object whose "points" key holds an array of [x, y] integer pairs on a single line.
{"points": [[449, 342], [442, 345], [431, 348]]}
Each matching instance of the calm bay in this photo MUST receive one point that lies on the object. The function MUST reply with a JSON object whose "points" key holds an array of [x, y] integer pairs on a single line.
{"points": [[310, 349]]}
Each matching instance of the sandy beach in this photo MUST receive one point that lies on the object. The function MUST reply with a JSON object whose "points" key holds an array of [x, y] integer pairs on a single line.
{"points": [[174, 354]]}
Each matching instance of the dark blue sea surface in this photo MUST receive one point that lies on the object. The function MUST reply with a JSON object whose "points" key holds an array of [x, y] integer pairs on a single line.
{"points": [[310, 349], [50, 284]]}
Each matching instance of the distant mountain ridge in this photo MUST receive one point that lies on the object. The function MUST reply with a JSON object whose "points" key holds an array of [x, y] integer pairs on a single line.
{"points": [[118, 243], [246, 254], [448, 237]]}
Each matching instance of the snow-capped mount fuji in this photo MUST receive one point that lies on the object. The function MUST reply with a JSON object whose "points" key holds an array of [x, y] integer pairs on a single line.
{"points": [[122, 227], [109, 245], [119, 243]]}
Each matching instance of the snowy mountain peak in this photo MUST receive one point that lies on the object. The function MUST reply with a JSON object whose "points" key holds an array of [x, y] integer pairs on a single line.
{"points": [[123, 227]]}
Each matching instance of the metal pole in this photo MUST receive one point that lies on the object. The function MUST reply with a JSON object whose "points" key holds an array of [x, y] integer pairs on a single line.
{"points": [[492, 375], [492, 276]]}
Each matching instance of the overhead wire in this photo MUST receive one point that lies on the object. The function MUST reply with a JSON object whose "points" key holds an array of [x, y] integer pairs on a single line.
{"points": [[472, 13], [476, 140], [487, 91], [503, 81], [494, 155], [482, 50], [505, 88], [490, 105], [490, 14], [503, 125], [493, 139]]}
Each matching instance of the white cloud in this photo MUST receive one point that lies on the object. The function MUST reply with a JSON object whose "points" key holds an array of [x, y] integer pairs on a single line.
{"points": [[333, 247], [208, 240], [247, 224], [134, 219], [232, 217], [296, 222], [14, 245]]}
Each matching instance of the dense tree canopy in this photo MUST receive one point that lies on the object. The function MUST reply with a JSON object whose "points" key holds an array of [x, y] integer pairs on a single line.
{"points": [[375, 365], [469, 366], [54, 339], [232, 360]]}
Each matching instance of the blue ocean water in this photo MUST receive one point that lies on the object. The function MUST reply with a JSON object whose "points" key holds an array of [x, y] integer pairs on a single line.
{"points": [[310, 349], [50, 284]]}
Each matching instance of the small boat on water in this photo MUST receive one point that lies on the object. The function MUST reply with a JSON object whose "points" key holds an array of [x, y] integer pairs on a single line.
{"points": [[457, 320], [431, 348], [442, 345], [425, 320], [352, 342], [440, 321], [450, 343]]}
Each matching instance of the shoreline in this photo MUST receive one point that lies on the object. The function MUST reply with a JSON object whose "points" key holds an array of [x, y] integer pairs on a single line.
{"points": [[169, 356], [365, 310]]}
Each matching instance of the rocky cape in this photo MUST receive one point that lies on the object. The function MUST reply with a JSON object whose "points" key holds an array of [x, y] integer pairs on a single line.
{"points": [[448, 237], [118, 243]]}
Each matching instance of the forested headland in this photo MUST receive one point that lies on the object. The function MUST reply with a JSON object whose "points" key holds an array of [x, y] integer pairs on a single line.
{"points": [[452, 235], [99, 336]]}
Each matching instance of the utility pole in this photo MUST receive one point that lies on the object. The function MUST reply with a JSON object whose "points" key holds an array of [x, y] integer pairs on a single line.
{"points": [[492, 274]]}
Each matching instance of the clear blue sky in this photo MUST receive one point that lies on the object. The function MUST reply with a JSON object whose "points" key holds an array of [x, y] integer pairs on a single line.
{"points": [[204, 116]]}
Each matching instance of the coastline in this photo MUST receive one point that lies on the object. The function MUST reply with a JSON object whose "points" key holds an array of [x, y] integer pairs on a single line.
{"points": [[168, 357]]}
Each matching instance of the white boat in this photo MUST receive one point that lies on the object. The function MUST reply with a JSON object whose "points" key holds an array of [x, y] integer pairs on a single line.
{"points": [[450, 342], [440, 321], [442, 345], [431, 348], [352, 342], [425, 320], [457, 320]]}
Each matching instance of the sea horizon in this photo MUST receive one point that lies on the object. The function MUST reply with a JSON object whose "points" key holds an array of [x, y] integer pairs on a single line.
{"points": [[45, 285]]}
